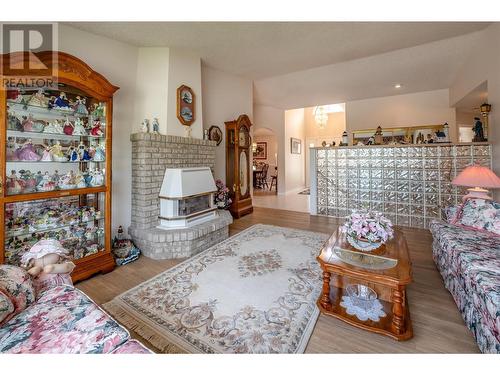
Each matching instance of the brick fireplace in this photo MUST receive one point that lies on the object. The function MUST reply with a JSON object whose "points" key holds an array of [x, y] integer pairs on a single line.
{"points": [[152, 154]]}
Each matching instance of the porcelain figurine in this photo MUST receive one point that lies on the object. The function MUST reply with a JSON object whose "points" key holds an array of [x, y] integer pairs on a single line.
{"points": [[54, 128], [14, 95], [14, 184], [11, 150], [96, 130], [68, 127], [345, 139], [87, 176], [46, 156], [80, 181], [80, 107], [86, 156], [38, 99], [52, 102], [79, 129], [99, 110], [81, 150], [72, 154], [38, 126], [14, 123], [97, 178], [46, 184], [56, 151], [29, 181], [27, 123], [27, 152], [99, 154], [145, 126], [62, 102], [56, 177], [478, 131], [67, 181], [91, 150], [156, 126], [378, 138]]}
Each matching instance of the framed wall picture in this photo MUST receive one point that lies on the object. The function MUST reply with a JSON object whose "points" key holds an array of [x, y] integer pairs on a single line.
{"points": [[185, 105], [260, 151], [215, 134], [295, 146]]}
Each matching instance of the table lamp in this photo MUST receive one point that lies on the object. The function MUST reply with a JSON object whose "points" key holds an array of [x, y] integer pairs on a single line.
{"points": [[478, 179]]}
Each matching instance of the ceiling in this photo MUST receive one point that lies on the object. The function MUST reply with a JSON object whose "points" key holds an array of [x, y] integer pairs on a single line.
{"points": [[473, 100], [258, 50]]}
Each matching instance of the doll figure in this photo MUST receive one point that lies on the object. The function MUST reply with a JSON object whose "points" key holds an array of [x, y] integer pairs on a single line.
{"points": [[27, 152], [86, 155], [29, 181], [156, 126], [145, 126], [38, 177], [54, 128], [38, 126], [80, 181], [99, 110], [68, 127], [27, 123], [56, 151], [46, 184], [46, 156], [81, 150], [87, 176], [91, 150], [56, 177], [14, 95], [61, 101], [99, 154], [80, 108], [67, 181], [96, 130], [11, 151], [97, 178], [38, 99], [79, 129], [72, 154], [14, 123], [52, 102], [14, 184]]}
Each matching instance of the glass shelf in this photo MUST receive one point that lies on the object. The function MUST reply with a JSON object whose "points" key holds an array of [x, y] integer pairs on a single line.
{"points": [[55, 161], [23, 233], [22, 134], [53, 113]]}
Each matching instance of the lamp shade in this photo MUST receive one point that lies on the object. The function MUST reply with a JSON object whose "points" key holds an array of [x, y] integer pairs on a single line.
{"points": [[477, 176]]}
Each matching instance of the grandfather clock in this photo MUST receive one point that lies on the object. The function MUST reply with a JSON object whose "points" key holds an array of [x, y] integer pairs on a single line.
{"points": [[238, 145]]}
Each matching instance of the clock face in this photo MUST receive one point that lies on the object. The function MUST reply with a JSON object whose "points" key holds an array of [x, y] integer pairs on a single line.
{"points": [[243, 137]]}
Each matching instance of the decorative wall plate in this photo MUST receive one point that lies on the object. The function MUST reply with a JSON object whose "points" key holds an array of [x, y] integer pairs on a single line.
{"points": [[185, 105], [215, 134]]}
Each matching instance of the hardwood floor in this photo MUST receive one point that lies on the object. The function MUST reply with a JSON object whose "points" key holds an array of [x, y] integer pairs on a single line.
{"points": [[437, 324]]}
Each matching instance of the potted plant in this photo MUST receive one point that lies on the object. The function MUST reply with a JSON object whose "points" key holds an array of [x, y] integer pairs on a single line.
{"points": [[367, 231], [222, 199]]}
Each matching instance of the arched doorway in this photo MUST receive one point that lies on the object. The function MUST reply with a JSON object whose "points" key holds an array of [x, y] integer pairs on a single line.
{"points": [[265, 161]]}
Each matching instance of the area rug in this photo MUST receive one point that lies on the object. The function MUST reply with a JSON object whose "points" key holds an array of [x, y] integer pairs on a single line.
{"points": [[255, 292]]}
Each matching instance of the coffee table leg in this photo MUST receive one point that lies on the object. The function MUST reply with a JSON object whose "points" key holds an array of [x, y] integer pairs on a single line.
{"points": [[398, 311], [325, 292]]}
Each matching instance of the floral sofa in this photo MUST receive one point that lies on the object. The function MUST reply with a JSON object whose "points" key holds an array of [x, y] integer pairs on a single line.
{"points": [[466, 250], [59, 319]]}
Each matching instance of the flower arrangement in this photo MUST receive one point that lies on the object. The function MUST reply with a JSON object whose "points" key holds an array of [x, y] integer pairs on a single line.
{"points": [[367, 226], [222, 199]]}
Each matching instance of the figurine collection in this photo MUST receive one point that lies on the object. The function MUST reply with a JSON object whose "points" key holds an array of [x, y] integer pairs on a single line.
{"points": [[75, 152], [153, 128], [28, 182]]}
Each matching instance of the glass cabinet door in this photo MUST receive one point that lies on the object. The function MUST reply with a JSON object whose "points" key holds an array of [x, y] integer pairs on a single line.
{"points": [[55, 141], [76, 221]]}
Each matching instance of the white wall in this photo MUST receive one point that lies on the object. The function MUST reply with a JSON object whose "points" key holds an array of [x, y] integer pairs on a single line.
{"points": [[483, 65], [225, 98], [152, 87], [422, 108], [118, 63], [274, 119], [184, 69], [294, 163]]}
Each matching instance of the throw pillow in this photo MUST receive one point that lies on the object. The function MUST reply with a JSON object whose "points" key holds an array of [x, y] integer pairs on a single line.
{"points": [[16, 286], [481, 214]]}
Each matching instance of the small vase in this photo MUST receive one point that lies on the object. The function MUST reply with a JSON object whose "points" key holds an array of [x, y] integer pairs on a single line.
{"points": [[363, 244]]}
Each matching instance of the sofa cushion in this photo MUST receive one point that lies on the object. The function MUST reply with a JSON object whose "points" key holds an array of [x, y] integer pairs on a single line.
{"points": [[16, 291], [481, 214], [63, 320], [469, 261]]}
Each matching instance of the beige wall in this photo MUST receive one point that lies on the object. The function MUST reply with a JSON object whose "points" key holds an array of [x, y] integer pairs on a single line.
{"points": [[118, 63], [483, 65], [294, 163], [422, 108], [225, 97]]}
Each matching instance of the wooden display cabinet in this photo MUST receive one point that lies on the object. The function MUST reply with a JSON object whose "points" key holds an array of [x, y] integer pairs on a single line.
{"points": [[238, 146], [53, 197]]}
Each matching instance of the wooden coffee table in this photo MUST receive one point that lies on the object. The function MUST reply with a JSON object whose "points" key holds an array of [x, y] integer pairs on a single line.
{"points": [[387, 270]]}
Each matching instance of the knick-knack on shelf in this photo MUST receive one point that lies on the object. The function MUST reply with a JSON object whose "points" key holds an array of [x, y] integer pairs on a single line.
{"points": [[99, 154], [156, 126], [80, 108], [145, 126], [96, 130], [68, 127], [188, 131], [345, 139], [56, 151], [79, 129]]}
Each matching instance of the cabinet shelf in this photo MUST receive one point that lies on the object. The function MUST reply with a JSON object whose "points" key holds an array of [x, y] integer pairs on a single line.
{"points": [[55, 136], [53, 113]]}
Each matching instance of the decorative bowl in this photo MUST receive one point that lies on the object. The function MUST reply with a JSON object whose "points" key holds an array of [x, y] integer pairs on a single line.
{"points": [[363, 244]]}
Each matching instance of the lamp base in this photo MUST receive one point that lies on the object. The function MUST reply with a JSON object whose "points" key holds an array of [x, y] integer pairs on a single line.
{"points": [[477, 193]]}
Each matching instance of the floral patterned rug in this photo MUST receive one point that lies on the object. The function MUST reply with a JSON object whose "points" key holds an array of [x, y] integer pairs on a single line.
{"points": [[255, 292]]}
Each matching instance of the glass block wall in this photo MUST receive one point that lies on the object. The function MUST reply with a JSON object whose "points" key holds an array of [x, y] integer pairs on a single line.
{"points": [[409, 184]]}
